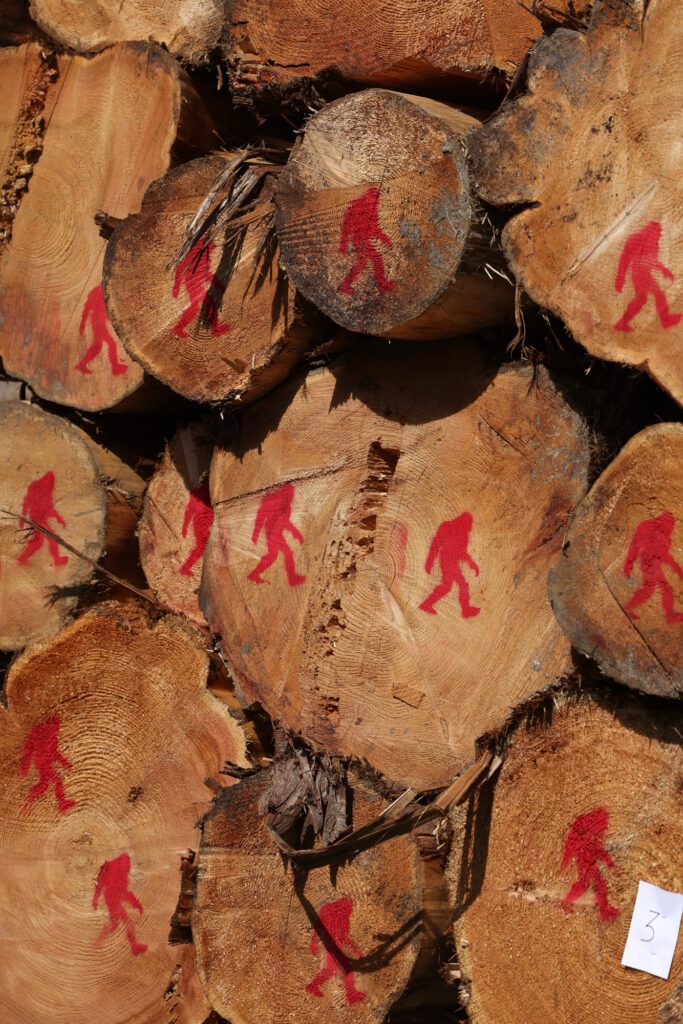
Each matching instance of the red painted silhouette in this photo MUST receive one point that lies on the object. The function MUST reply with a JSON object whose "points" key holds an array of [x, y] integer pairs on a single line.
{"points": [[361, 228], [651, 549], [639, 257], [39, 506], [273, 517], [584, 844], [112, 884], [42, 747], [199, 515], [96, 311], [332, 929], [450, 545], [203, 289]]}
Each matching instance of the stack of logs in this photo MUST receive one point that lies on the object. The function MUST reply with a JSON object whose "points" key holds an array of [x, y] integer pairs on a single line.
{"points": [[341, 529]]}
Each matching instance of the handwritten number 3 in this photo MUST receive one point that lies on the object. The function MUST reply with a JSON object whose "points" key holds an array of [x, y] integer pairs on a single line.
{"points": [[649, 925]]}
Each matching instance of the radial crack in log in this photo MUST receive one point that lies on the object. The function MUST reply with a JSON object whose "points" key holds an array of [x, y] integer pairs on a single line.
{"points": [[544, 866], [601, 243], [617, 590], [107, 739], [377, 567]]}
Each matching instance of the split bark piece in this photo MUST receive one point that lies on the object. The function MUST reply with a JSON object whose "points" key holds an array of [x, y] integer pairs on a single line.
{"points": [[48, 473], [585, 807], [207, 339], [176, 521], [111, 132], [335, 946], [376, 223], [107, 739], [377, 567], [275, 44], [617, 591], [188, 30], [598, 243]]}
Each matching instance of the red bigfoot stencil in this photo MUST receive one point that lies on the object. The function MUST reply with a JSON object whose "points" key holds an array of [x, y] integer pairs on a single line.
{"points": [[199, 515], [361, 228], [42, 747], [39, 506], [194, 272], [334, 920], [450, 545], [273, 517], [651, 549], [640, 258], [112, 884], [96, 311], [585, 845]]}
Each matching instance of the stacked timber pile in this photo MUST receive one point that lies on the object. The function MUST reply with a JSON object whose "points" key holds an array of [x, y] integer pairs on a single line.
{"points": [[341, 512]]}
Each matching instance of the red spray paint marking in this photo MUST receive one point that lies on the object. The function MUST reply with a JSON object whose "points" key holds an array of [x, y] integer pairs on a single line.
{"points": [[651, 549], [204, 290], [38, 505], [199, 515], [584, 845], [449, 546], [273, 517], [333, 930], [112, 884], [361, 228], [640, 258], [42, 748], [96, 311]]}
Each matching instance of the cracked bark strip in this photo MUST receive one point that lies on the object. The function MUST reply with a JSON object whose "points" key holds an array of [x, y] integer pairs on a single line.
{"points": [[617, 590], [586, 805], [600, 241], [394, 609]]}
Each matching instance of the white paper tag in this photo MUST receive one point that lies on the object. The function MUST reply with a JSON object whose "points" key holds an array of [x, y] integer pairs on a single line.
{"points": [[653, 934]]}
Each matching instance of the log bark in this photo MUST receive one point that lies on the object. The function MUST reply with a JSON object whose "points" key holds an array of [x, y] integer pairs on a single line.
{"points": [[224, 324], [597, 242], [335, 945], [362, 560], [176, 521], [107, 738], [189, 31], [377, 225], [586, 805], [50, 474], [98, 131], [617, 590], [273, 45]]}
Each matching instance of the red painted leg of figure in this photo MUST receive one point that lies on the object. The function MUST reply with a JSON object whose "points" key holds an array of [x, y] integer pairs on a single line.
{"points": [[93, 351], [605, 910], [437, 594], [467, 609], [672, 615], [326, 974], [191, 560], [33, 544], [641, 596], [353, 995], [378, 267], [575, 893], [354, 273], [36, 791], [666, 317], [186, 319], [217, 329], [295, 580], [57, 558], [265, 563], [107, 931], [63, 804], [634, 307], [117, 367]]}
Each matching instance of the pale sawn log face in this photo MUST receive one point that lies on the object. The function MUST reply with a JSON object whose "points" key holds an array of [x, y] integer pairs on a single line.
{"points": [[117, 733], [530, 946], [48, 473], [617, 590], [316, 572], [374, 217], [188, 28], [176, 521], [207, 340], [112, 123], [253, 920], [602, 245]]}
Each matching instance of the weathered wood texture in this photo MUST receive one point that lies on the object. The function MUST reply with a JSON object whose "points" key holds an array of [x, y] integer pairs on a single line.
{"points": [[335, 945], [376, 223], [108, 736], [377, 568], [600, 241], [223, 323], [189, 30], [98, 130], [617, 590], [545, 867]]}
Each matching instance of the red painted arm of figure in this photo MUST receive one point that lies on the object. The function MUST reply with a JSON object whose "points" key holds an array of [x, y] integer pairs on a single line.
{"points": [[472, 564], [296, 534], [27, 755], [606, 859], [383, 238], [434, 549], [258, 524], [54, 514], [673, 564], [664, 271], [189, 516], [633, 552], [349, 218], [87, 310], [134, 902], [179, 274], [624, 264], [99, 886], [64, 761]]}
